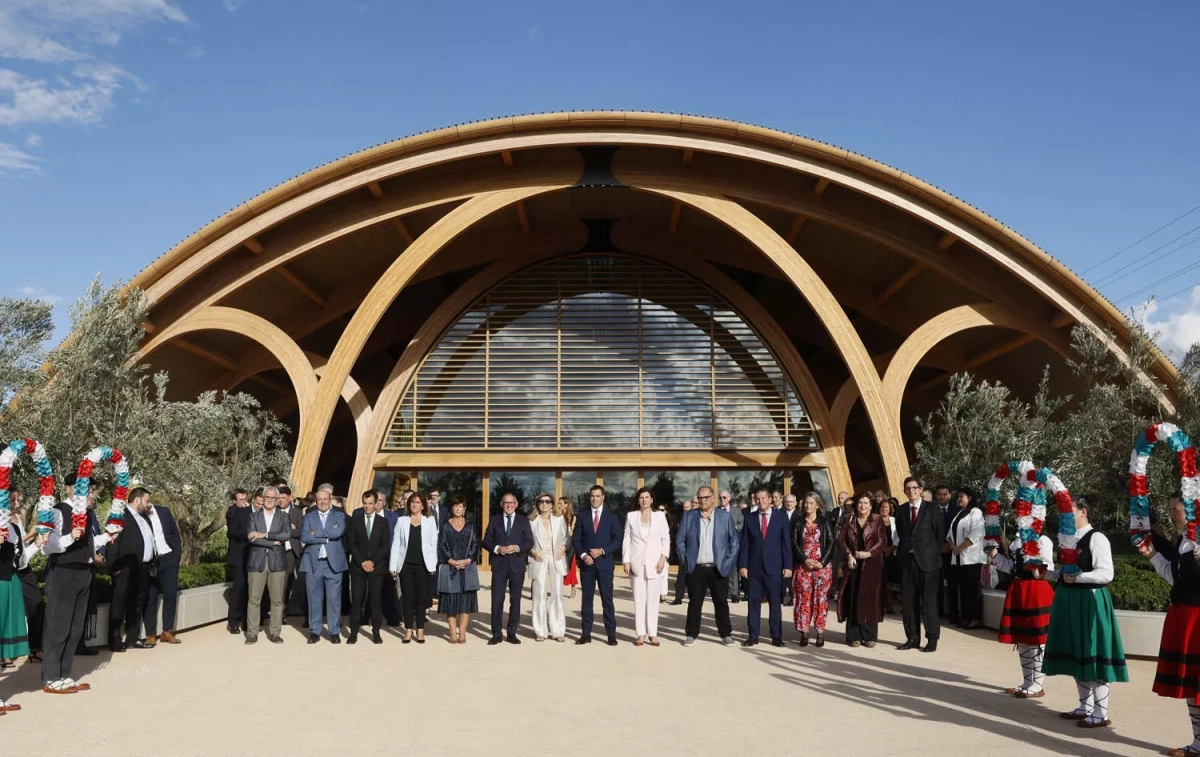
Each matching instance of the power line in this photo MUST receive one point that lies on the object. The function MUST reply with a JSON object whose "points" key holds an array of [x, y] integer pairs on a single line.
{"points": [[1114, 277], [1164, 279], [1143, 239], [1187, 288]]}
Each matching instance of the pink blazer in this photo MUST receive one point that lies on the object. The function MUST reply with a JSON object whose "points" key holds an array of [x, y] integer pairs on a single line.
{"points": [[641, 553]]}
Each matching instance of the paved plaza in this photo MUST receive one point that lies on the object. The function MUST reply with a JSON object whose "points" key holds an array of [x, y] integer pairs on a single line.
{"points": [[211, 695]]}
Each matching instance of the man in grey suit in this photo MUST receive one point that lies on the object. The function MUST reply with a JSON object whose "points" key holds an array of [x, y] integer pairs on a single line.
{"points": [[266, 566], [324, 564], [739, 521]]}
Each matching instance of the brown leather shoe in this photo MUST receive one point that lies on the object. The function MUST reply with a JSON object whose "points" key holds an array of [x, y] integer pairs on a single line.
{"points": [[70, 690], [1027, 695], [152, 640], [10, 708], [168, 638]]}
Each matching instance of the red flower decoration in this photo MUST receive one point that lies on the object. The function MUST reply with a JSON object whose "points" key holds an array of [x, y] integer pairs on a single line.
{"points": [[991, 507], [1152, 433], [79, 520], [47, 487], [1068, 556], [1031, 475], [1064, 502], [1031, 548], [5, 478], [116, 456], [1023, 508], [30, 446], [1187, 462], [85, 469], [1038, 525], [1002, 472], [1138, 486]]}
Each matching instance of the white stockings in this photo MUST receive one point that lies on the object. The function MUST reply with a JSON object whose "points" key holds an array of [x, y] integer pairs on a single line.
{"points": [[1031, 667], [1093, 700]]}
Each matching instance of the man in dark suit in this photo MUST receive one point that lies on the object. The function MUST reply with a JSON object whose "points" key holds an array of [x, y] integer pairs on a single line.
{"points": [[165, 583], [738, 516], [367, 549], [508, 539], [266, 566], [390, 602], [237, 526], [920, 533], [765, 560], [130, 560], [947, 605], [597, 536], [323, 532]]}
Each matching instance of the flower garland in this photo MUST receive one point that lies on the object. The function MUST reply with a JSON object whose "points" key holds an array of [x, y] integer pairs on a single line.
{"points": [[1139, 490], [1029, 506], [45, 472], [83, 482]]}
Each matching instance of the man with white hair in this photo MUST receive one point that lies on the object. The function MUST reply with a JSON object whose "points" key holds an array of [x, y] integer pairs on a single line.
{"points": [[266, 566], [325, 563]]}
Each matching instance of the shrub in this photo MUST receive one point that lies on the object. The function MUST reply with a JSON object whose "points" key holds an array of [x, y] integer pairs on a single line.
{"points": [[215, 548], [201, 574], [1137, 587]]}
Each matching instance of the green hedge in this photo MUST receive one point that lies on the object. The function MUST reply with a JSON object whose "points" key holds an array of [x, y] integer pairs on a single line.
{"points": [[216, 547], [190, 577], [1137, 587]]}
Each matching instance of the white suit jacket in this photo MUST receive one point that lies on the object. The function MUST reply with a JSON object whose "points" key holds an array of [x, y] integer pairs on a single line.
{"points": [[968, 525], [641, 553], [549, 552]]}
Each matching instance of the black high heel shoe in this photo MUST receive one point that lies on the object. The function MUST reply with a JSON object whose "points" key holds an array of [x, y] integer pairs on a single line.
{"points": [[820, 642], [804, 640]]}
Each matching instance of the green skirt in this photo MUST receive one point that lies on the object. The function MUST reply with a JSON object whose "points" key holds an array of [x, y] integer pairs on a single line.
{"points": [[14, 635], [1084, 641]]}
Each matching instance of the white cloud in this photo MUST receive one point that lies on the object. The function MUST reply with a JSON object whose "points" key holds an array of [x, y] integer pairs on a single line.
{"points": [[196, 51], [233, 5], [33, 141], [1177, 320], [533, 32], [67, 42], [12, 159], [40, 293]]}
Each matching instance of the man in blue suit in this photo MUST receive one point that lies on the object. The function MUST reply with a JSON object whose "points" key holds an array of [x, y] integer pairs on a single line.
{"points": [[597, 536], [765, 560], [325, 563], [707, 544]]}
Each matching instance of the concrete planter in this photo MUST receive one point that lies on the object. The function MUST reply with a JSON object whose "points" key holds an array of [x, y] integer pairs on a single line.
{"points": [[1141, 632], [196, 607]]}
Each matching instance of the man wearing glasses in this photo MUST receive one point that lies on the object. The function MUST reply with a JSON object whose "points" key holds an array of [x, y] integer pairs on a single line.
{"points": [[920, 532], [739, 522], [707, 545], [509, 539]]}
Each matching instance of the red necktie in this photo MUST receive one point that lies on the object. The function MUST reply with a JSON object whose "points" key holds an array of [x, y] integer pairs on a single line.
{"points": [[913, 508], [764, 526], [595, 521]]}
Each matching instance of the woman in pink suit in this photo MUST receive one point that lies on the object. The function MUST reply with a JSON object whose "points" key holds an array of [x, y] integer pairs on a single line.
{"points": [[645, 549]]}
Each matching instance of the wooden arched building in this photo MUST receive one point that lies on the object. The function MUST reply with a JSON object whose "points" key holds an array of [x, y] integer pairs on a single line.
{"points": [[544, 302]]}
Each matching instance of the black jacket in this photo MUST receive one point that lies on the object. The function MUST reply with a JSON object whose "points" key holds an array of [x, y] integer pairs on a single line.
{"points": [[237, 526], [169, 561], [360, 549], [828, 538], [924, 538]]}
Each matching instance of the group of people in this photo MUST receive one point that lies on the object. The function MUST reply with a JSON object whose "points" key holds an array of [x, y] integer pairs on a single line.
{"points": [[399, 563], [50, 629]]}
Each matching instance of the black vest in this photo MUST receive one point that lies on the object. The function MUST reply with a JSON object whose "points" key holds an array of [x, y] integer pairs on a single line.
{"points": [[1185, 569], [81, 552]]}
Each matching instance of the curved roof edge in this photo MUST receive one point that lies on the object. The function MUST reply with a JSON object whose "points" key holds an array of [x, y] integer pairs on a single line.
{"points": [[652, 121]]}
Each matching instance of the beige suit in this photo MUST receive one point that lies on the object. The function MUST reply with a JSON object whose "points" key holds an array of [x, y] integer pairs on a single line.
{"points": [[546, 577], [642, 549]]}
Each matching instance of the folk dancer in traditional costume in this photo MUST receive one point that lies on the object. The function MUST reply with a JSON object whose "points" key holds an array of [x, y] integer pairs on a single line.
{"points": [[1026, 617], [1178, 676], [1084, 641]]}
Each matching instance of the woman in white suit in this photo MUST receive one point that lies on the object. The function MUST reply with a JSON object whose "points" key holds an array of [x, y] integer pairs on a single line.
{"points": [[964, 593], [547, 567], [646, 547], [414, 563]]}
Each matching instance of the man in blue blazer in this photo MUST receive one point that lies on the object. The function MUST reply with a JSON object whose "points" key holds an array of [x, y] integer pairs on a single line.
{"points": [[707, 544], [325, 563], [765, 560], [597, 536]]}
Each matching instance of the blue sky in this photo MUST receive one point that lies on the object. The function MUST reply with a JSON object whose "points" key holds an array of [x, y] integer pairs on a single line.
{"points": [[125, 125]]}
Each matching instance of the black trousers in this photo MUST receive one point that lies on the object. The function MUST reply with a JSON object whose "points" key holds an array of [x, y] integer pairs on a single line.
{"points": [[862, 632], [680, 582], [506, 580], [589, 578], [391, 602], [371, 586], [296, 590], [35, 609], [131, 592], [414, 588], [67, 592], [165, 585], [706, 580], [239, 595], [964, 593], [919, 593]]}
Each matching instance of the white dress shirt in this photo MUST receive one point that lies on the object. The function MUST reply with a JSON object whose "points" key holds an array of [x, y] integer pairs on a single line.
{"points": [[1102, 571], [706, 554], [322, 516], [508, 524], [143, 524]]}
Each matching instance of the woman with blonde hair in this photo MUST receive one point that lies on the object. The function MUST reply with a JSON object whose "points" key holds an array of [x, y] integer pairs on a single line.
{"points": [[547, 568], [567, 510]]}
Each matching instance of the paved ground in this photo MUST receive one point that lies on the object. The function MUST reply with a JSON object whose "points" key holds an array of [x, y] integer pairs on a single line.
{"points": [[212, 695]]}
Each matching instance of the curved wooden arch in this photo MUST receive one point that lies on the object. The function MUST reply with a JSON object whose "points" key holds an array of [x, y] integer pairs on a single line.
{"points": [[376, 303], [267, 334], [450, 309], [826, 307], [361, 410]]}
